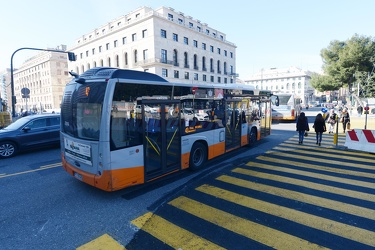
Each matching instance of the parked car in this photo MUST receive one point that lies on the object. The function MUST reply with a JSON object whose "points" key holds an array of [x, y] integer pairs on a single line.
{"points": [[29, 132]]}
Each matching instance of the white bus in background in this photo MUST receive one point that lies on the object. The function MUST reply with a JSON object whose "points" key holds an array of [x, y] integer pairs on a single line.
{"points": [[289, 107]]}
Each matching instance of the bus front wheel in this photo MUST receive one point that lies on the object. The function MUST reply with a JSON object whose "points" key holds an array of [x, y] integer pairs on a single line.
{"points": [[198, 156]]}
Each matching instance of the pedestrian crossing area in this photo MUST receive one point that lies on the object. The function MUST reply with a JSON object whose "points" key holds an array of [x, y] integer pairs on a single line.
{"points": [[294, 196]]}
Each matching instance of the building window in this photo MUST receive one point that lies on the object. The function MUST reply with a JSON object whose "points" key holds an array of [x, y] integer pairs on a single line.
{"points": [[81, 55], [219, 79], [164, 56], [211, 48], [175, 58], [164, 72], [231, 54], [115, 44], [93, 51], [204, 78], [135, 56], [196, 76], [175, 37], [225, 53], [186, 40], [218, 51], [163, 33], [144, 33], [117, 61], [180, 21], [207, 32], [225, 68], [203, 46], [176, 74], [107, 46], [186, 61], [195, 43], [199, 29], [212, 78], [212, 65], [124, 40], [126, 58], [145, 55], [187, 75], [100, 49], [87, 53], [195, 62], [134, 37], [218, 67], [191, 25], [204, 68], [221, 37], [225, 80], [109, 62], [170, 17]]}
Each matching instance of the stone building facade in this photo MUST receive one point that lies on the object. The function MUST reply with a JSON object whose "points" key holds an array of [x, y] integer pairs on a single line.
{"points": [[45, 76], [285, 80], [161, 41]]}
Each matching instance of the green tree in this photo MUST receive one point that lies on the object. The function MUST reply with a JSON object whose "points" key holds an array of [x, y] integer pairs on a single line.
{"points": [[346, 63]]}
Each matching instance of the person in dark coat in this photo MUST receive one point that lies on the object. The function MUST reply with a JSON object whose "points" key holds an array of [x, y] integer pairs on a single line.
{"points": [[302, 126], [320, 127], [345, 118]]}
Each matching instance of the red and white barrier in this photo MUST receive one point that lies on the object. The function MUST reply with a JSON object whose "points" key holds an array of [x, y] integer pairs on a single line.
{"points": [[360, 139]]}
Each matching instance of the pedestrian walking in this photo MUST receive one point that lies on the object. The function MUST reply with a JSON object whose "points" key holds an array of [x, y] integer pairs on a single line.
{"points": [[320, 127], [302, 126], [331, 120], [345, 119]]}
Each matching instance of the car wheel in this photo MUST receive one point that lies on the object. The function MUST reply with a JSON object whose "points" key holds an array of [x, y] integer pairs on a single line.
{"points": [[198, 156], [7, 149]]}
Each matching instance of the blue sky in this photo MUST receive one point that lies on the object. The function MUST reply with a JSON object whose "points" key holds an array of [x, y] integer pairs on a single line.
{"points": [[268, 33]]}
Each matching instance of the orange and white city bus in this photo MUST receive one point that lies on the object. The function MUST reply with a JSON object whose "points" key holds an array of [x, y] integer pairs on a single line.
{"points": [[121, 128]]}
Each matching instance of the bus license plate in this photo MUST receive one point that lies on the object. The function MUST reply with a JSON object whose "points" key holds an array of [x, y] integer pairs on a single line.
{"points": [[78, 176]]}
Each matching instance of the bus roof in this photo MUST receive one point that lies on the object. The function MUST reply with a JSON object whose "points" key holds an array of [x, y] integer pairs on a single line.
{"points": [[134, 75]]}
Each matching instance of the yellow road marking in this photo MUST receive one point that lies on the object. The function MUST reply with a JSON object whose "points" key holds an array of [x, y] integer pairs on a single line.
{"points": [[318, 159], [263, 234], [104, 242], [294, 195], [332, 150], [343, 230], [171, 234], [304, 183], [34, 170], [321, 155], [315, 166]]}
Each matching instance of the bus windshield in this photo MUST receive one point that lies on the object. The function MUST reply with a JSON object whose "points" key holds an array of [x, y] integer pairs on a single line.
{"points": [[81, 110]]}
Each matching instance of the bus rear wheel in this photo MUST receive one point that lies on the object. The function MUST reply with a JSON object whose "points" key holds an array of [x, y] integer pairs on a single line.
{"points": [[252, 136], [198, 156]]}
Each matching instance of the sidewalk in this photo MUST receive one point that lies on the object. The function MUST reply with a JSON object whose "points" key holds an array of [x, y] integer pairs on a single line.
{"points": [[360, 122]]}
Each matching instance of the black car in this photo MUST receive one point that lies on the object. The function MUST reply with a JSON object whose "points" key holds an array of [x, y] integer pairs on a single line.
{"points": [[29, 132]]}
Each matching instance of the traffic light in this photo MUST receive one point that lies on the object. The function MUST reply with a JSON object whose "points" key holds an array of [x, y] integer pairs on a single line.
{"points": [[71, 56]]}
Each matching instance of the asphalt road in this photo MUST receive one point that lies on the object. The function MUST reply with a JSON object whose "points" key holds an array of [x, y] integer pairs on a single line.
{"points": [[277, 194]]}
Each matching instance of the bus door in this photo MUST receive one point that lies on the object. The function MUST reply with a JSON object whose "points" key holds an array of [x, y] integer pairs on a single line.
{"points": [[233, 125], [162, 153], [266, 119]]}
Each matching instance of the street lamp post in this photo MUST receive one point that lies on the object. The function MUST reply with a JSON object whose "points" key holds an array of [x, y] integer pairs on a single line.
{"points": [[71, 57]]}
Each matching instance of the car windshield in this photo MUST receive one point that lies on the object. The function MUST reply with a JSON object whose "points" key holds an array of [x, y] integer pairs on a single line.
{"points": [[17, 124]]}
